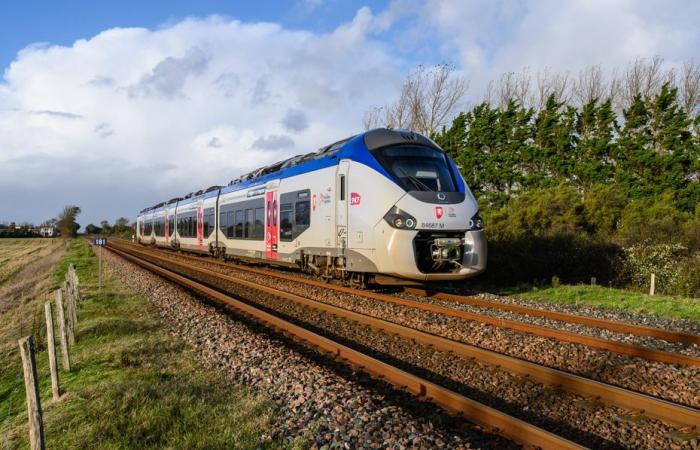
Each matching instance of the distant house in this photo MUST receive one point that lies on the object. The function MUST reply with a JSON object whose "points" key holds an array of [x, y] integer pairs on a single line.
{"points": [[48, 232]]}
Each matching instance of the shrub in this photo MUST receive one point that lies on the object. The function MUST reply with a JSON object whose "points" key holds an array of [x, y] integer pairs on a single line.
{"points": [[643, 259]]}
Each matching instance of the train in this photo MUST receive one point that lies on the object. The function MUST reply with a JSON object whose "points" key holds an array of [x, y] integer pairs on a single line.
{"points": [[384, 206]]}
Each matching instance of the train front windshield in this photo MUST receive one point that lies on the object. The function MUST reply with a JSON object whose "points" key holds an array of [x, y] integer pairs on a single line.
{"points": [[417, 168]]}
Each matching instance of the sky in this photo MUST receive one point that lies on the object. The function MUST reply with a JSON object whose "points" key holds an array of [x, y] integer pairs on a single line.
{"points": [[115, 106]]}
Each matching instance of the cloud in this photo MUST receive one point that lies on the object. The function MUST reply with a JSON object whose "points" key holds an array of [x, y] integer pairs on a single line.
{"points": [[168, 76], [104, 130], [273, 142], [295, 120], [60, 114], [133, 116], [215, 142]]}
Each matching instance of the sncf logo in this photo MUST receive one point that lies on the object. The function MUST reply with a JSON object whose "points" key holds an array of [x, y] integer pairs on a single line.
{"points": [[439, 212], [355, 198]]}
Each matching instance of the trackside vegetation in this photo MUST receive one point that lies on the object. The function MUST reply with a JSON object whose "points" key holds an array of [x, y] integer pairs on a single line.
{"points": [[617, 299], [131, 385], [580, 190]]}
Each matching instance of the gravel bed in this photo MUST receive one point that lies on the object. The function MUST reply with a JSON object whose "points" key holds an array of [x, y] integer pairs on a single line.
{"points": [[645, 341], [596, 425], [681, 325], [319, 401], [680, 384]]}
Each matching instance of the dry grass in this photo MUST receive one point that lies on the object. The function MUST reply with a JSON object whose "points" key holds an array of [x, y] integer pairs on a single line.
{"points": [[23, 294], [16, 254]]}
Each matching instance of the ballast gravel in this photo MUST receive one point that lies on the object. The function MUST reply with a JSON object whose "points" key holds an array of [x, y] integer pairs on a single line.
{"points": [[321, 403], [680, 384]]}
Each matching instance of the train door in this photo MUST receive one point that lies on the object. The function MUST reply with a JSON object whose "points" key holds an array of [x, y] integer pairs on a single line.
{"points": [[200, 227], [167, 226], [341, 206], [271, 225]]}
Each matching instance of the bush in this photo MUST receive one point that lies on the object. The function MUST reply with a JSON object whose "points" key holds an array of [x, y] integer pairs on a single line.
{"points": [[642, 260]]}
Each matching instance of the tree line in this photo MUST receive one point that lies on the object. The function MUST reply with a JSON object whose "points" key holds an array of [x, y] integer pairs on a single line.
{"points": [[594, 175]]}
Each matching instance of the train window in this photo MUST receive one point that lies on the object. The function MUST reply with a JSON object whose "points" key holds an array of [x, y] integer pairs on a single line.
{"points": [[171, 225], [259, 229], [302, 213], [229, 221], [286, 224], [248, 223], [342, 188], [417, 168], [222, 222], [274, 213], [240, 216]]}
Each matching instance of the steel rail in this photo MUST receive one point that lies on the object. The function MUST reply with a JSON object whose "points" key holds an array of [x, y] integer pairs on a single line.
{"points": [[560, 335], [490, 418], [638, 330], [663, 410]]}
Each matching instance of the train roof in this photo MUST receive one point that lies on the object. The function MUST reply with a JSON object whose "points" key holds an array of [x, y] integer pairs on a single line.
{"points": [[323, 157]]}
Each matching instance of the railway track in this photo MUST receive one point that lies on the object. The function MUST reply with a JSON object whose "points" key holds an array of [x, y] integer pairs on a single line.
{"points": [[490, 418], [560, 335], [668, 412], [638, 330]]}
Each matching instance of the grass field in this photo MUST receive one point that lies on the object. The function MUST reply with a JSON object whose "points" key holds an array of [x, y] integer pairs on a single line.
{"points": [[132, 385], [617, 299], [18, 253]]}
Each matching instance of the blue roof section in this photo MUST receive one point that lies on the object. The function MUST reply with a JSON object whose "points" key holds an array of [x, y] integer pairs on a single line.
{"points": [[354, 149]]}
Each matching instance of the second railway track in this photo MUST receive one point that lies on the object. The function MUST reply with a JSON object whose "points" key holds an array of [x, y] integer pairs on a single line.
{"points": [[636, 405]]}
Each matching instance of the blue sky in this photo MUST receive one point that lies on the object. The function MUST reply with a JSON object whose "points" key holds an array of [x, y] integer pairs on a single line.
{"points": [[114, 106], [25, 22]]}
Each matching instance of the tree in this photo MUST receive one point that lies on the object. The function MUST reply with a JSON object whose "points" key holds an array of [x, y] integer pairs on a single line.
{"points": [[66, 221], [93, 229], [428, 99], [121, 226]]}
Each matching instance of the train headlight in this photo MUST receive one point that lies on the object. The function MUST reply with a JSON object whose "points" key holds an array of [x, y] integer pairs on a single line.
{"points": [[476, 222], [400, 219]]}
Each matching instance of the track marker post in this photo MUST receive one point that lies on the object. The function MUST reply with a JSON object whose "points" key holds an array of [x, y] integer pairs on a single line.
{"points": [[652, 286], [100, 242], [593, 281], [31, 384], [50, 344]]}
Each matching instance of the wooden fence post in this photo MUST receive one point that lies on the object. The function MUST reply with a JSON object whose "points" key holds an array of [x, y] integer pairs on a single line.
{"points": [[75, 283], [50, 344], [62, 331], [652, 287], [70, 314], [31, 384]]}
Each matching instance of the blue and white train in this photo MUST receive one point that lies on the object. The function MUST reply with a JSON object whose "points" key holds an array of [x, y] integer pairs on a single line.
{"points": [[384, 206]]}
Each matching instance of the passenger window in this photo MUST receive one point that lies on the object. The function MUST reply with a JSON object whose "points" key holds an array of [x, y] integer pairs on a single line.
{"points": [[240, 216], [286, 222], [229, 223], [302, 214], [248, 223], [259, 230]]}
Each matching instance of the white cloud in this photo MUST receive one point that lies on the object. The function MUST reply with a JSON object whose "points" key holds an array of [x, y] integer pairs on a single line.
{"points": [[492, 37], [179, 108]]}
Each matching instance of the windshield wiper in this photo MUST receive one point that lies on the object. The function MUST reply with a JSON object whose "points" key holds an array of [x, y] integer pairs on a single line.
{"points": [[418, 183]]}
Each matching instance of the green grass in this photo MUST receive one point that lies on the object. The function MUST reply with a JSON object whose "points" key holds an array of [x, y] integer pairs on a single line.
{"points": [[617, 299], [131, 384]]}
